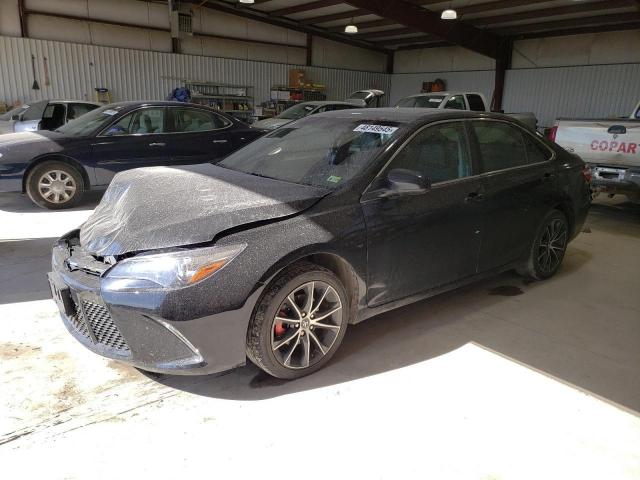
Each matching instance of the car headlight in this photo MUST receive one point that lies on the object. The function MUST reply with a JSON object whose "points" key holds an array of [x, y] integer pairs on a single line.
{"points": [[171, 270]]}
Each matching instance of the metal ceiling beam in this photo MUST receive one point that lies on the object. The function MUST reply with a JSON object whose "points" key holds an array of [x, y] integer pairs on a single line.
{"points": [[388, 33], [598, 20], [497, 5], [408, 40], [581, 30], [429, 22], [551, 12], [259, 16], [305, 7], [335, 16]]}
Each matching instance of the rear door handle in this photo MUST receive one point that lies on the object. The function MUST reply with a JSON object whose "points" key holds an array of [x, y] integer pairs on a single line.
{"points": [[549, 176], [474, 197], [220, 141], [157, 144]]}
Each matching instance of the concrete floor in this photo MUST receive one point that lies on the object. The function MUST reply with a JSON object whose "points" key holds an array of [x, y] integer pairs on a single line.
{"points": [[502, 379]]}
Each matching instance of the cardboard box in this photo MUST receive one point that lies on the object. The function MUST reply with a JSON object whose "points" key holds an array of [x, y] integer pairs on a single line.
{"points": [[297, 78]]}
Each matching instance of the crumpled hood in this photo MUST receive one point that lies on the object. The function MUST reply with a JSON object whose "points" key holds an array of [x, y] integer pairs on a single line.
{"points": [[161, 207], [31, 143], [271, 123]]}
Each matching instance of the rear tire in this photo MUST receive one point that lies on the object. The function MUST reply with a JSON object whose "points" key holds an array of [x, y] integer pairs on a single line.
{"points": [[299, 323], [55, 185], [548, 247]]}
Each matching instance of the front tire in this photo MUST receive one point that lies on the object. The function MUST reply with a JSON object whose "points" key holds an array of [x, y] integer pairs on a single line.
{"points": [[299, 323], [548, 248], [55, 185]]}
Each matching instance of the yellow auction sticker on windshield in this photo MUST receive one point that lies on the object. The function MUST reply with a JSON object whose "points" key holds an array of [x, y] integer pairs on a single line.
{"points": [[334, 179], [375, 129]]}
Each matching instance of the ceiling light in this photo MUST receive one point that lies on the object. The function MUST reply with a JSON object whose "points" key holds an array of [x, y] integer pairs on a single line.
{"points": [[246, 1], [350, 29], [449, 14]]}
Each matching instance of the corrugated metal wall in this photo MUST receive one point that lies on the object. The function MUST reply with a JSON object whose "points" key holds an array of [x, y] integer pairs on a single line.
{"points": [[585, 91], [75, 70], [404, 84]]}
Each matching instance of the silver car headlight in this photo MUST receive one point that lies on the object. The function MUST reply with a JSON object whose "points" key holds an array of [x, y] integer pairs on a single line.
{"points": [[171, 270]]}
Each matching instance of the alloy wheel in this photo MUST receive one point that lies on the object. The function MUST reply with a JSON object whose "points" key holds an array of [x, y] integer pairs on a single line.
{"points": [[56, 186], [306, 325], [552, 245]]}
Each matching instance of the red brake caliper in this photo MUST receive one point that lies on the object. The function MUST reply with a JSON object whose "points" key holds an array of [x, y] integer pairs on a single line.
{"points": [[278, 327]]}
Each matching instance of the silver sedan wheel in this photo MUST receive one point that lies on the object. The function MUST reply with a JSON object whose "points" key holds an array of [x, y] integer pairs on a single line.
{"points": [[57, 186], [306, 325]]}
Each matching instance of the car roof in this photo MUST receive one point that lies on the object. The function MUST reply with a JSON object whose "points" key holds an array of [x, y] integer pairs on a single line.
{"points": [[76, 101], [428, 94], [321, 103], [408, 115]]}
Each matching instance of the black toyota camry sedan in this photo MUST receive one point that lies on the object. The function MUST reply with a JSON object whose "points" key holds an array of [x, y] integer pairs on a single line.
{"points": [[55, 168], [323, 223]]}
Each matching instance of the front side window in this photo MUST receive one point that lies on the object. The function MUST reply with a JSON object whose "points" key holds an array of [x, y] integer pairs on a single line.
{"points": [[501, 145], [318, 151], [141, 122], [439, 153], [456, 103], [195, 120]]}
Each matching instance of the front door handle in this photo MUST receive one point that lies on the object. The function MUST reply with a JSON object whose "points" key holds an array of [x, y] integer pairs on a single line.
{"points": [[474, 197], [549, 176], [220, 141], [157, 144]]}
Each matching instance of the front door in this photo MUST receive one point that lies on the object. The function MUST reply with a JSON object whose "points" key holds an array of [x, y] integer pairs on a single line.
{"points": [[419, 242], [520, 188], [136, 140]]}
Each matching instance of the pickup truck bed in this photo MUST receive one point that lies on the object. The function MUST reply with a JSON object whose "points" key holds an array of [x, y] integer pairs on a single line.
{"points": [[610, 146]]}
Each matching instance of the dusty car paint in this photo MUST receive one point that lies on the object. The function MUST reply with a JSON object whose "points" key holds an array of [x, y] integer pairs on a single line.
{"points": [[391, 252]]}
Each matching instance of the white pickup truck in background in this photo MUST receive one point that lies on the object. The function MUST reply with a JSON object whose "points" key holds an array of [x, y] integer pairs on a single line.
{"points": [[473, 101], [610, 146]]}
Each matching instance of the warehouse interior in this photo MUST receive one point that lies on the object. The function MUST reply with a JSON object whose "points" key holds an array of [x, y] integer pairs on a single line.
{"points": [[501, 378]]}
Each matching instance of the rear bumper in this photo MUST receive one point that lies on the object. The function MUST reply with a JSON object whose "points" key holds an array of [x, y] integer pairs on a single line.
{"points": [[614, 180], [130, 328]]}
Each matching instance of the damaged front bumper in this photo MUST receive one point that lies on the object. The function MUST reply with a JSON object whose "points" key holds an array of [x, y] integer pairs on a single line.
{"points": [[132, 326]]}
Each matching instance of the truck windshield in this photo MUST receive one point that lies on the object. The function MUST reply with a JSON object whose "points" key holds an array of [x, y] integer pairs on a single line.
{"points": [[424, 101], [319, 151], [298, 111]]}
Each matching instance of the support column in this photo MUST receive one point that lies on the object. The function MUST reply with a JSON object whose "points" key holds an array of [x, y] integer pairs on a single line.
{"points": [[390, 59], [309, 50], [24, 31], [503, 63]]}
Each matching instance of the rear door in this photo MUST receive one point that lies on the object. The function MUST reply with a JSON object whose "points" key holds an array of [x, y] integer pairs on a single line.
{"points": [[137, 139], [198, 135], [419, 242], [520, 185]]}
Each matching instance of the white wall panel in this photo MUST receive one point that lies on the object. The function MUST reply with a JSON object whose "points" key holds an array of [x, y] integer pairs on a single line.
{"points": [[9, 18], [405, 84], [588, 49], [442, 59], [327, 53], [75, 70], [583, 91]]}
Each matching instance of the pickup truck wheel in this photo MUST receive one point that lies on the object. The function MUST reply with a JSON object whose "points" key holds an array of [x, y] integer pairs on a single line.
{"points": [[548, 248], [299, 323], [55, 185]]}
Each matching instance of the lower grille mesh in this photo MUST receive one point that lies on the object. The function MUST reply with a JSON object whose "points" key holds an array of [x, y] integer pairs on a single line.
{"points": [[103, 327], [97, 320]]}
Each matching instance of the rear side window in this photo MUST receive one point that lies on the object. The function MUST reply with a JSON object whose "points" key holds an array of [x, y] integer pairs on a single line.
{"points": [[194, 120], [501, 145], [536, 152], [456, 103], [476, 103], [439, 153]]}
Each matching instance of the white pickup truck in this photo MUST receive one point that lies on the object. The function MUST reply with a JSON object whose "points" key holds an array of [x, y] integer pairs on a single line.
{"points": [[473, 101], [610, 146]]}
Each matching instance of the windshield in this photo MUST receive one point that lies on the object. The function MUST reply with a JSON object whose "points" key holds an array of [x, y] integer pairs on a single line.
{"points": [[298, 111], [91, 122], [16, 111], [425, 101], [320, 151]]}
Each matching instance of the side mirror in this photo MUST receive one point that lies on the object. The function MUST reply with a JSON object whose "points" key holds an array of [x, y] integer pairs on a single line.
{"points": [[406, 182]]}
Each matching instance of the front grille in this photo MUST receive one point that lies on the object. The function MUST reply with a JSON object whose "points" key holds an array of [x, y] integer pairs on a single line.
{"points": [[96, 322], [102, 325]]}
